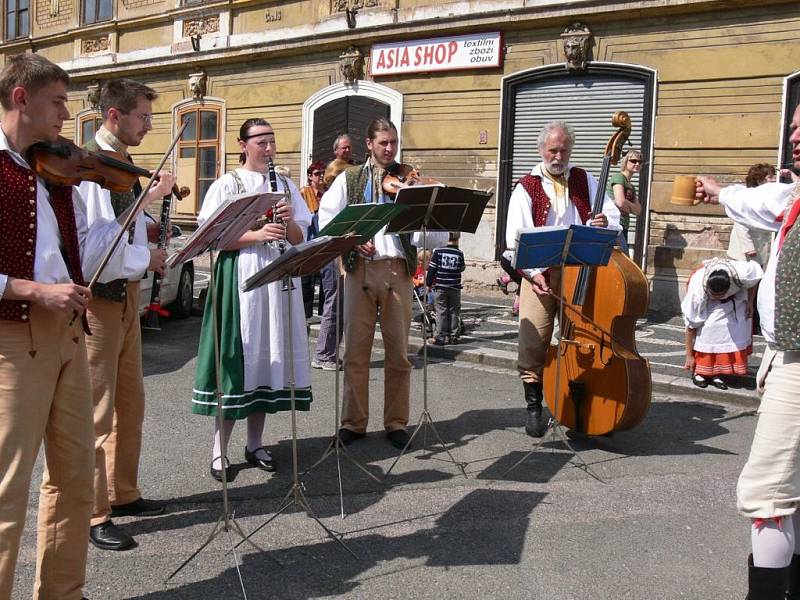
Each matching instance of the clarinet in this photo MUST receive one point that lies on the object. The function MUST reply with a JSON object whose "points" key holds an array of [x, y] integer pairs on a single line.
{"points": [[273, 184], [154, 309]]}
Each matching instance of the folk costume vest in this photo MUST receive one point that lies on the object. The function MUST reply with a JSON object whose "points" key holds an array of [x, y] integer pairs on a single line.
{"points": [[357, 179], [578, 185], [115, 290], [787, 282], [18, 224]]}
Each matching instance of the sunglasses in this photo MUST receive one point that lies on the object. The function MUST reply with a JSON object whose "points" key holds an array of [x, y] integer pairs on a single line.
{"points": [[317, 173], [635, 161]]}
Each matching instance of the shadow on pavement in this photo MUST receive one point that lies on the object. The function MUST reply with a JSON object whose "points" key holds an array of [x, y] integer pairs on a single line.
{"points": [[486, 527]]}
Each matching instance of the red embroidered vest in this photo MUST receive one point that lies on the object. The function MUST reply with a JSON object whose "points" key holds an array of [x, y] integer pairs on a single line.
{"points": [[578, 184], [18, 224]]}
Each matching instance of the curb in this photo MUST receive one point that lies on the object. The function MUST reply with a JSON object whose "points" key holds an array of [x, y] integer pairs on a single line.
{"points": [[669, 385]]}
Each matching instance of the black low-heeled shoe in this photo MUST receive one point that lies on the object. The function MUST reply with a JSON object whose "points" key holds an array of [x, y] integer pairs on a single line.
{"points": [[699, 381], [719, 384], [264, 465], [217, 473]]}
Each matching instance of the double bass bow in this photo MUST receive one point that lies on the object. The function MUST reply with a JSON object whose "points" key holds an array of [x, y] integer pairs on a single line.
{"points": [[608, 383]]}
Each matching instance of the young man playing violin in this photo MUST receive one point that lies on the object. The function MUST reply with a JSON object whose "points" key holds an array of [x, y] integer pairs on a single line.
{"points": [[377, 284], [115, 348], [554, 193], [45, 250]]}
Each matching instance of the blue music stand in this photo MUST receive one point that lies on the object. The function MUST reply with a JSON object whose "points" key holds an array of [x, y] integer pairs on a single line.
{"points": [[542, 247]]}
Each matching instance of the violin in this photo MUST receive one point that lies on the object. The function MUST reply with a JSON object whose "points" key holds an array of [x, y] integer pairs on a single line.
{"points": [[65, 163], [399, 176]]}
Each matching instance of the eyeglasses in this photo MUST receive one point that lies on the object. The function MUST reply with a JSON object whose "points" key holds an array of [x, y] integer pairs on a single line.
{"points": [[144, 118], [634, 161]]}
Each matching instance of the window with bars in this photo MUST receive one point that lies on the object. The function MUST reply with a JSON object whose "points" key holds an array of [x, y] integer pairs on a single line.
{"points": [[17, 19], [95, 11], [198, 154]]}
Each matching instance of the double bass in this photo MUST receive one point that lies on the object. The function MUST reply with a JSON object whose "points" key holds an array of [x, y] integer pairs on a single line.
{"points": [[603, 383]]}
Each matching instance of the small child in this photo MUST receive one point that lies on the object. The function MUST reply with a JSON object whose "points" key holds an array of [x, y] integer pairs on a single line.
{"points": [[444, 276], [717, 311]]}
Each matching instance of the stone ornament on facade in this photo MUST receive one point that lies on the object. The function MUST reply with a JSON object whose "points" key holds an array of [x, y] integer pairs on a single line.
{"points": [[202, 26], [95, 45], [93, 94], [349, 5], [198, 83], [351, 65], [577, 39], [53, 8]]}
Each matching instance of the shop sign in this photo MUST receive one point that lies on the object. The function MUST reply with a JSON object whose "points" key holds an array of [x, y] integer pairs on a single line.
{"points": [[475, 51]]}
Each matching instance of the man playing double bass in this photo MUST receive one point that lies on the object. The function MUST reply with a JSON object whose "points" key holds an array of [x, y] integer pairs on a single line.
{"points": [[554, 193]]}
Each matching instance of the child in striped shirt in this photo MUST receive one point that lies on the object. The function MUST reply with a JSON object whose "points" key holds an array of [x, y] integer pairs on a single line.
{"points": [[444, 275]]}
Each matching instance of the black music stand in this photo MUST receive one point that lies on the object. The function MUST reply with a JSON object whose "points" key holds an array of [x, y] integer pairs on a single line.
{"points": [[363, 221], [298, 261], [435, 208], [576, 245], [227, 224]]}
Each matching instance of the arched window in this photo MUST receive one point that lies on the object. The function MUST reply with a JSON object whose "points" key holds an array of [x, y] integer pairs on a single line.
{"points": [[342, 108], [200, 150], [87, 122], [586, 100]]}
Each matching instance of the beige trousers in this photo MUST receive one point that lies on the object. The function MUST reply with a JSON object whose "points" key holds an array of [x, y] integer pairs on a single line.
{"points": [[769, 485], [373, 288], [44, 395], [115, 366], [536, 317]]}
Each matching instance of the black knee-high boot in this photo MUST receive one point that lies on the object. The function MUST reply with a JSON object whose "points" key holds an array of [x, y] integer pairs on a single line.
{"points": [[537, 419], [764, 583], [793, 587]]}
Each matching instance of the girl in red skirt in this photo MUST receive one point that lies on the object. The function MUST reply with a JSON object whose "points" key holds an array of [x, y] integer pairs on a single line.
{"points": [[718, 313]]}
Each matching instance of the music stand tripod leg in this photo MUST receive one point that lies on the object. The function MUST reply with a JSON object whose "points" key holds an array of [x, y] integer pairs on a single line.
{"points": [[335, 446], [295, 494], [554, 427], [226, 522], [425, 419]]}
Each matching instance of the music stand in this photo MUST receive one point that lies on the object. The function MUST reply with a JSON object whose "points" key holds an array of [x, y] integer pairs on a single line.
{"points": [[576, 245], [227, 224], [298, 261], [363, 221], [435, 208]]}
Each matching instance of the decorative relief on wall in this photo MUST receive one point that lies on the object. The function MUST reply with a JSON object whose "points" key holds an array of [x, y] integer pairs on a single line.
{"points": [[198, 82], [345, 5], [202, 26], [53, 13], [53, 8], [95, 45], [93, 94], [577, 39], [351, 64], [273, 15]]}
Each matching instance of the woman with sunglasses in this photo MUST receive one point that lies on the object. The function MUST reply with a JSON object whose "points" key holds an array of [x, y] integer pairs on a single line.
{"points": [[623, 193]]}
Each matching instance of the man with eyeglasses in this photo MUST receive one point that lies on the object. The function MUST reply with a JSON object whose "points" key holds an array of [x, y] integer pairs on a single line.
{"points": [[343, 148], [115, 349]]}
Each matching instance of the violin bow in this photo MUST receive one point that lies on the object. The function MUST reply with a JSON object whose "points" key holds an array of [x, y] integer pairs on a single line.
{"points": [[132, 213]]}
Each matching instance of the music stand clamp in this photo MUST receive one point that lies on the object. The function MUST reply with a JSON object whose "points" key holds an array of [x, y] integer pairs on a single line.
{"points": [[576, 245], [362, 221], [435, 208], [298, 261], [228, 223]]}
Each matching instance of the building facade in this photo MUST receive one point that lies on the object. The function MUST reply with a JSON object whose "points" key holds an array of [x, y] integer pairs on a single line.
{"points": [[469, 85]]}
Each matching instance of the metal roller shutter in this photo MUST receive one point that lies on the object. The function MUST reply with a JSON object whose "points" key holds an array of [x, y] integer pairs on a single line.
{"points": [[587, 104]]}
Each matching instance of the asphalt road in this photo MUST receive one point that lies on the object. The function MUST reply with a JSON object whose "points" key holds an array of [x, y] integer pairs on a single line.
{"points": [[661, 524]]}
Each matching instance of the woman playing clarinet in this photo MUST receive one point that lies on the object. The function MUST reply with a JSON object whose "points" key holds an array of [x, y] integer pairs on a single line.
{"points": [[253, 326]]}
